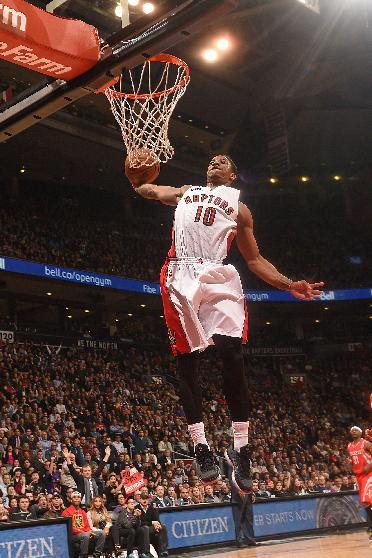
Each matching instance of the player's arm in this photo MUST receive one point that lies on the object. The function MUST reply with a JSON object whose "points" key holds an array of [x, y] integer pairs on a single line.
{"points": [[262, 268], [368, 468], [168, 195]]}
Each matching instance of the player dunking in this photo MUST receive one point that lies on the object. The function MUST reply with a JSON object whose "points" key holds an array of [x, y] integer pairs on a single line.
{"points": [[360, 451], [204, 302]]}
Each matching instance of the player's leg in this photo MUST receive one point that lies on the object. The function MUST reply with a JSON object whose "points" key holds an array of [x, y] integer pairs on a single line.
{"points": [[191, 398], [237, 397], [369, 520]]}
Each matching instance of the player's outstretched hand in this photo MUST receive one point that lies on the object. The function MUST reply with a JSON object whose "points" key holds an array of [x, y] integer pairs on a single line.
{"points": [[306, 291]]}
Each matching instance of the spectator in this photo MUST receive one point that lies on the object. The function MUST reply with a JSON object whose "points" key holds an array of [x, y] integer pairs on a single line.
{"points": [[113, 488], [164, 445], [4, 513], [100, 522], [86, 483], [81, 530], [172, 496], [262, 492], [39, 509], [128, 526], [56, 507], [321, 486], [160, 500], [22, 513], [150, 518], [210, 497]]}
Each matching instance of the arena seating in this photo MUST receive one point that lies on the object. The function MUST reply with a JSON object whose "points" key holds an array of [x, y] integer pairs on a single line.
{"points": [[92, 230]]}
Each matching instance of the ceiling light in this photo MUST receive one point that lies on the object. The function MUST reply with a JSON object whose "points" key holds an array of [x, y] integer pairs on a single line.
{"points": [[148, 7], [86, 311], [223, 43], [49, 294], [268, 323], [210, 55], [305, 178], [273, 180], [143, 305], [337, 177], [69, 316], [162, 316], [317, 321], [130, 315], [22, 170], [133, 2], [66, 308], [118, 11], [370, 317], [326, 308], [116, 319]]}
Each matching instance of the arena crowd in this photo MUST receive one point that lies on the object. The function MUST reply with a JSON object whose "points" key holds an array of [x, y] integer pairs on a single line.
{"points": [[96, 231]]}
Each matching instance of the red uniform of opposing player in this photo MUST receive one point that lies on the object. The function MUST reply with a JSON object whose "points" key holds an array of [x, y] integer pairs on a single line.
{"points": [[360, 451]]}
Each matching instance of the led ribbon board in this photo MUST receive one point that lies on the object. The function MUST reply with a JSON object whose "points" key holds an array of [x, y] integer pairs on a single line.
{"points": [[40, 41]]}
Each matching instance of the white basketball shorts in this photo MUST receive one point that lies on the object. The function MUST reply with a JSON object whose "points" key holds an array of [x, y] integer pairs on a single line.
{"points": [[202, 298]]}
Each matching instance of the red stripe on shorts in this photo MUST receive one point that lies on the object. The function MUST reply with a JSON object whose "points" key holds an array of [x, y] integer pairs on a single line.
{"points": [[177, 337], [245, 327], [230, 240]]}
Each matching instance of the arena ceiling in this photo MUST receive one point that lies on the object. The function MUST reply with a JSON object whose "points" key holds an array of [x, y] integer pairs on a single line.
{"points": [[318, 67]]}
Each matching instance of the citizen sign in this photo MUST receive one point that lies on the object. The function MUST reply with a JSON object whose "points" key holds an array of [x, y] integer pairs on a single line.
{"points": [[199, 527], [18, 20], [27, 548]]}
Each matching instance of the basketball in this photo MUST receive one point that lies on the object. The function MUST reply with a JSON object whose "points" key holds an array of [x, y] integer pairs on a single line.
{"points": [[147, 171]]}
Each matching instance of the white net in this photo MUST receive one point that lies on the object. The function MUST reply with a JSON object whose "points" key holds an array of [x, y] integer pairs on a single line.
{"points": [[143, 103]]}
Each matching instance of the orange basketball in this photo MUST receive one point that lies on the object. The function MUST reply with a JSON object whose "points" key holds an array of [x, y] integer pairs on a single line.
{"points": [[147, 172]]}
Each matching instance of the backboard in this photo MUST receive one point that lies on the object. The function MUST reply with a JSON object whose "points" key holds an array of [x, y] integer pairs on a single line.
{"points": [[124, 35]]}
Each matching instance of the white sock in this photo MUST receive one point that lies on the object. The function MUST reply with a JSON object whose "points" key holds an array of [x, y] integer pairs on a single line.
{"points": [[240, 430], [197, 433]]}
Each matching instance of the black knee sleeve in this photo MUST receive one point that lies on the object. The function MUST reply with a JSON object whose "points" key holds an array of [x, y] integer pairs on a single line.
{"points": [[189, 386], [235, 383]]}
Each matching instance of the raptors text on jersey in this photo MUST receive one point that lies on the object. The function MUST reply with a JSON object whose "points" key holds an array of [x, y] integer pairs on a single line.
{"points": [[205, 222]]}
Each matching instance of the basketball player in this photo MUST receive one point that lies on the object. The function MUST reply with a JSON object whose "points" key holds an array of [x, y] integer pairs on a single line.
{"points": [[204, 302], [360, 451]]}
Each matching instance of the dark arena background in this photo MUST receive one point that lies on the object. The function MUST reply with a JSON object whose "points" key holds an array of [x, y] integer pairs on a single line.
{"points": [[86, 376]]}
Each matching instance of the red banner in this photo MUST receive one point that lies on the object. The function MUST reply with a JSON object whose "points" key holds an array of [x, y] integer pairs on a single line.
{"points": [[133, 480], [49, 44]]}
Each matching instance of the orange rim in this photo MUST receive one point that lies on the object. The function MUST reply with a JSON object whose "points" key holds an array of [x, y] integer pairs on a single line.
{"points": [[158, 58]]}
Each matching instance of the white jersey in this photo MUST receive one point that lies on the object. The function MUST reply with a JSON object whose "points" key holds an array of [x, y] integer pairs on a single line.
{"points": [[205, 223], [202, 297]]}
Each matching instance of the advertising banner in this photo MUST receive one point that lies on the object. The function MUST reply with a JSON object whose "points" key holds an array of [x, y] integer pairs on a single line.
{"points": [[93, 279], [55, 46], [288, 516], [34, 539], [199, 525]]}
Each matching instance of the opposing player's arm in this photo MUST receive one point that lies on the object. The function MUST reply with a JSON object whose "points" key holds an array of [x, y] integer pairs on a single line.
{"points": [[368, 447], [264, 269], [168, 195]]}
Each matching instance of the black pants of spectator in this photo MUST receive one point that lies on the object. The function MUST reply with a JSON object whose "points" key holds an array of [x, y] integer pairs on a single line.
{"points": [[83, 540], [158, 538], [242, 514], [133, 537]]}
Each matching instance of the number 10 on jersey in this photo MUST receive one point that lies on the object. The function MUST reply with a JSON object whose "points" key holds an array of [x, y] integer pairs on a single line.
{"points": [[208, 217]]}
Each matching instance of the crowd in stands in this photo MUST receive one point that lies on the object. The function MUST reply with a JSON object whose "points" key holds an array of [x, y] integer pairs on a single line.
{"points": [[90, 230], [125, 403]]}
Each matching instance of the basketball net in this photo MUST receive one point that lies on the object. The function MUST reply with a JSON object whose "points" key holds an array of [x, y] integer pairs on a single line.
{"points": [[143, 113]]}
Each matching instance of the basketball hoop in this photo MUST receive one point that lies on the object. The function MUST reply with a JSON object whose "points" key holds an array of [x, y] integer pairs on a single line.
{"points": [[143, 113]]}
